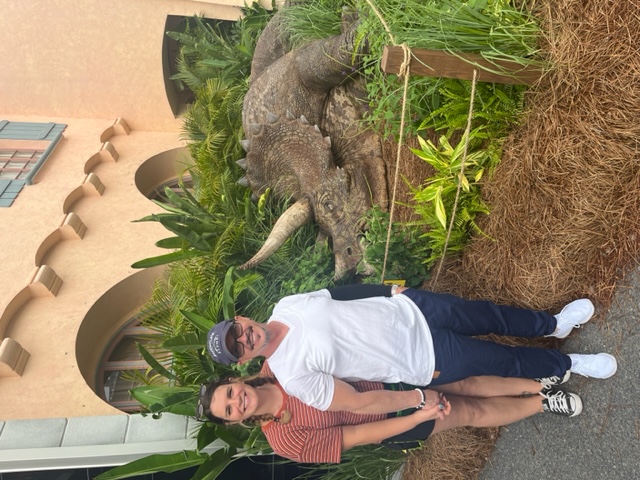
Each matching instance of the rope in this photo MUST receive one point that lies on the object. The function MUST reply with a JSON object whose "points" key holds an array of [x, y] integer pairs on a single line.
{"points": [[404, 71], [381, 18], [467, 132]]}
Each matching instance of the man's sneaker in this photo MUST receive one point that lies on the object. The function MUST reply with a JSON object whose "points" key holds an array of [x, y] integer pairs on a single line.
{"points": [[572, 316], [555, 380], [562, 403], [601, 365]]}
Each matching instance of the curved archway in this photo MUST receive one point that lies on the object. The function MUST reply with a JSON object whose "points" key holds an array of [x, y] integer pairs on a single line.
{"points": [[178, 98], [162, 169], [107, 323]]}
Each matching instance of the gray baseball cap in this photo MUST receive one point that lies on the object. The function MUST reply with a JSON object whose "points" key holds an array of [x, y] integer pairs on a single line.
{"points": [[217, 345]]}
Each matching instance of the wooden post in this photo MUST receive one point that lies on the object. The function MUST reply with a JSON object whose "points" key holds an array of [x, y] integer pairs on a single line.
{"points": [[438, 63]]}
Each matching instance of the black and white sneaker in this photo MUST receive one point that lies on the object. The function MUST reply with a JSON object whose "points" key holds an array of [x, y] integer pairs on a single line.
{"points": [[560, 402], [547, 381], [550, 390]]}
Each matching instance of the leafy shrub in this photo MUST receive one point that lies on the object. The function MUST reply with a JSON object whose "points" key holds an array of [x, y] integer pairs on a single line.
{"points": [[435, 202], [406, 254]]}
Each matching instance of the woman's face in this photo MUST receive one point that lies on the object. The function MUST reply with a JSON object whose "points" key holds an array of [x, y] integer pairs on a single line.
{"points": [[234, 402]]}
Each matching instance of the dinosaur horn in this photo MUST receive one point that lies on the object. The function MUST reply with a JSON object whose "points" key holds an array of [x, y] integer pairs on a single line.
{"points": [[243, 181], [296, 215]]}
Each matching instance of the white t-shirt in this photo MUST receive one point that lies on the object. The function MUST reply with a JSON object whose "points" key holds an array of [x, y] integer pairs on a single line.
{"points": [[384, 339]]}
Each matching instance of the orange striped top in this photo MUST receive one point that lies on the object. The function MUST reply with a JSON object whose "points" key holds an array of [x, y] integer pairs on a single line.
{"points": [[312, 435]]}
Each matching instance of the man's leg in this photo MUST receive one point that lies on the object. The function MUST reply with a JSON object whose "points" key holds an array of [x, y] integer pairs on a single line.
{"points": [[459, 357], [479, 317]]}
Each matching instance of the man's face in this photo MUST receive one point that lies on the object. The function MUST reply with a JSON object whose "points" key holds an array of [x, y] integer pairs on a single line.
{"points": [[247, 339]]}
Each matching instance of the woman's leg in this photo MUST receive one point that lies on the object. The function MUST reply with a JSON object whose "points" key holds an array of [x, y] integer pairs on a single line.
{"points": [[488, 412], [489, 386]]}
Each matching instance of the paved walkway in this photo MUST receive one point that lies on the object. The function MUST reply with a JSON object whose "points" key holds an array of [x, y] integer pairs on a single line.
{"points": [[604, 441]]}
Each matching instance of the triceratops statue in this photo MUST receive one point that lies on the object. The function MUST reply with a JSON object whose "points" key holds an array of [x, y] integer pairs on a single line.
{"points": [[303, 140]]}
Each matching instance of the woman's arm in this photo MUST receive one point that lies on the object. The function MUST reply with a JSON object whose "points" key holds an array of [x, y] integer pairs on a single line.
{"points": [[376, 432]]}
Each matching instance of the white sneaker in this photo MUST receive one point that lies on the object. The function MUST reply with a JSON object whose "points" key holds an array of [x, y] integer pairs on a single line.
{"points": [[601, 365], [572, 316]]}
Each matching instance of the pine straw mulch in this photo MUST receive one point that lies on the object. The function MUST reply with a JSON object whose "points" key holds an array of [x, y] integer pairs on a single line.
{"points": [[565, 199]]}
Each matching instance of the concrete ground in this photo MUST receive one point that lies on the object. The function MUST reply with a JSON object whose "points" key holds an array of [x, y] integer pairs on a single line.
{"points": [[604, 441]]}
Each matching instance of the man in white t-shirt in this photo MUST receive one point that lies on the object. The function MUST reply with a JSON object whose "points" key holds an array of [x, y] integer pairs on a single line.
{"points": [[316, 342]]}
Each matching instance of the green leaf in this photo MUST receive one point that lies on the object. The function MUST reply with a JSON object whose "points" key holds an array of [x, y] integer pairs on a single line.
{"points": [[186, 233], [153, 363], [206, 435], [465, 183], [440, 211], [253, 437], [155, 463], [168, 258], [184, 343], [228, 300], [162, 398], [215, 464], [201, 323], [234, 435], [171, 243], [191, 207]]}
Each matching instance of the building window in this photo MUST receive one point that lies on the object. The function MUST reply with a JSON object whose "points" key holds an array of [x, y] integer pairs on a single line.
{"points": [[24, 147], [16, 164], [122, 366]]}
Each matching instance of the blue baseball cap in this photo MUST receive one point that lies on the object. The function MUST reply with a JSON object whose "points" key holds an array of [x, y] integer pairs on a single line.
{"points": [[217, 345]]}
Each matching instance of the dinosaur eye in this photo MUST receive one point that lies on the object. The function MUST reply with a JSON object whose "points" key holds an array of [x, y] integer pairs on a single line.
{"points": [[329, 206]]}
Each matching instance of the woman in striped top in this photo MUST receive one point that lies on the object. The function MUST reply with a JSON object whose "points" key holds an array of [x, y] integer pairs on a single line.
{"points": [[305, 434]]}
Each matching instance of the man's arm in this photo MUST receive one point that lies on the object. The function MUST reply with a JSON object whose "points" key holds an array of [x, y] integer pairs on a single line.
{"points": [[348, 399], [364, 290]]}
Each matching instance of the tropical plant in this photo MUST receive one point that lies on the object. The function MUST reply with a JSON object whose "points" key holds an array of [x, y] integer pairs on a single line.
{"points": [[307, 21], [404, 252], [435, 202], [492, 28], [218, 49], [197, 230], [497, 108]]}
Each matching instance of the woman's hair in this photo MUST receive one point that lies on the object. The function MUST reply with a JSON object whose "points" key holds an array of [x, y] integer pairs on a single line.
{"points": [[252, 381]]}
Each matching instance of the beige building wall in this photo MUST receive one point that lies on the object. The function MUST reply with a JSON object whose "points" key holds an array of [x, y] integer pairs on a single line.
{"points": [[67, 241], [55, 270], [92, 58]]}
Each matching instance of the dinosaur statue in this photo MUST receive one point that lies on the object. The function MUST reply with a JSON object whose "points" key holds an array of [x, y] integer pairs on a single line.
{"points": [[300, 117]]}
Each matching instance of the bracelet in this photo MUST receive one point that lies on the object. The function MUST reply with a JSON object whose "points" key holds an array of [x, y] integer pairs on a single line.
{"points": [[394, 289], [423, 402]]}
